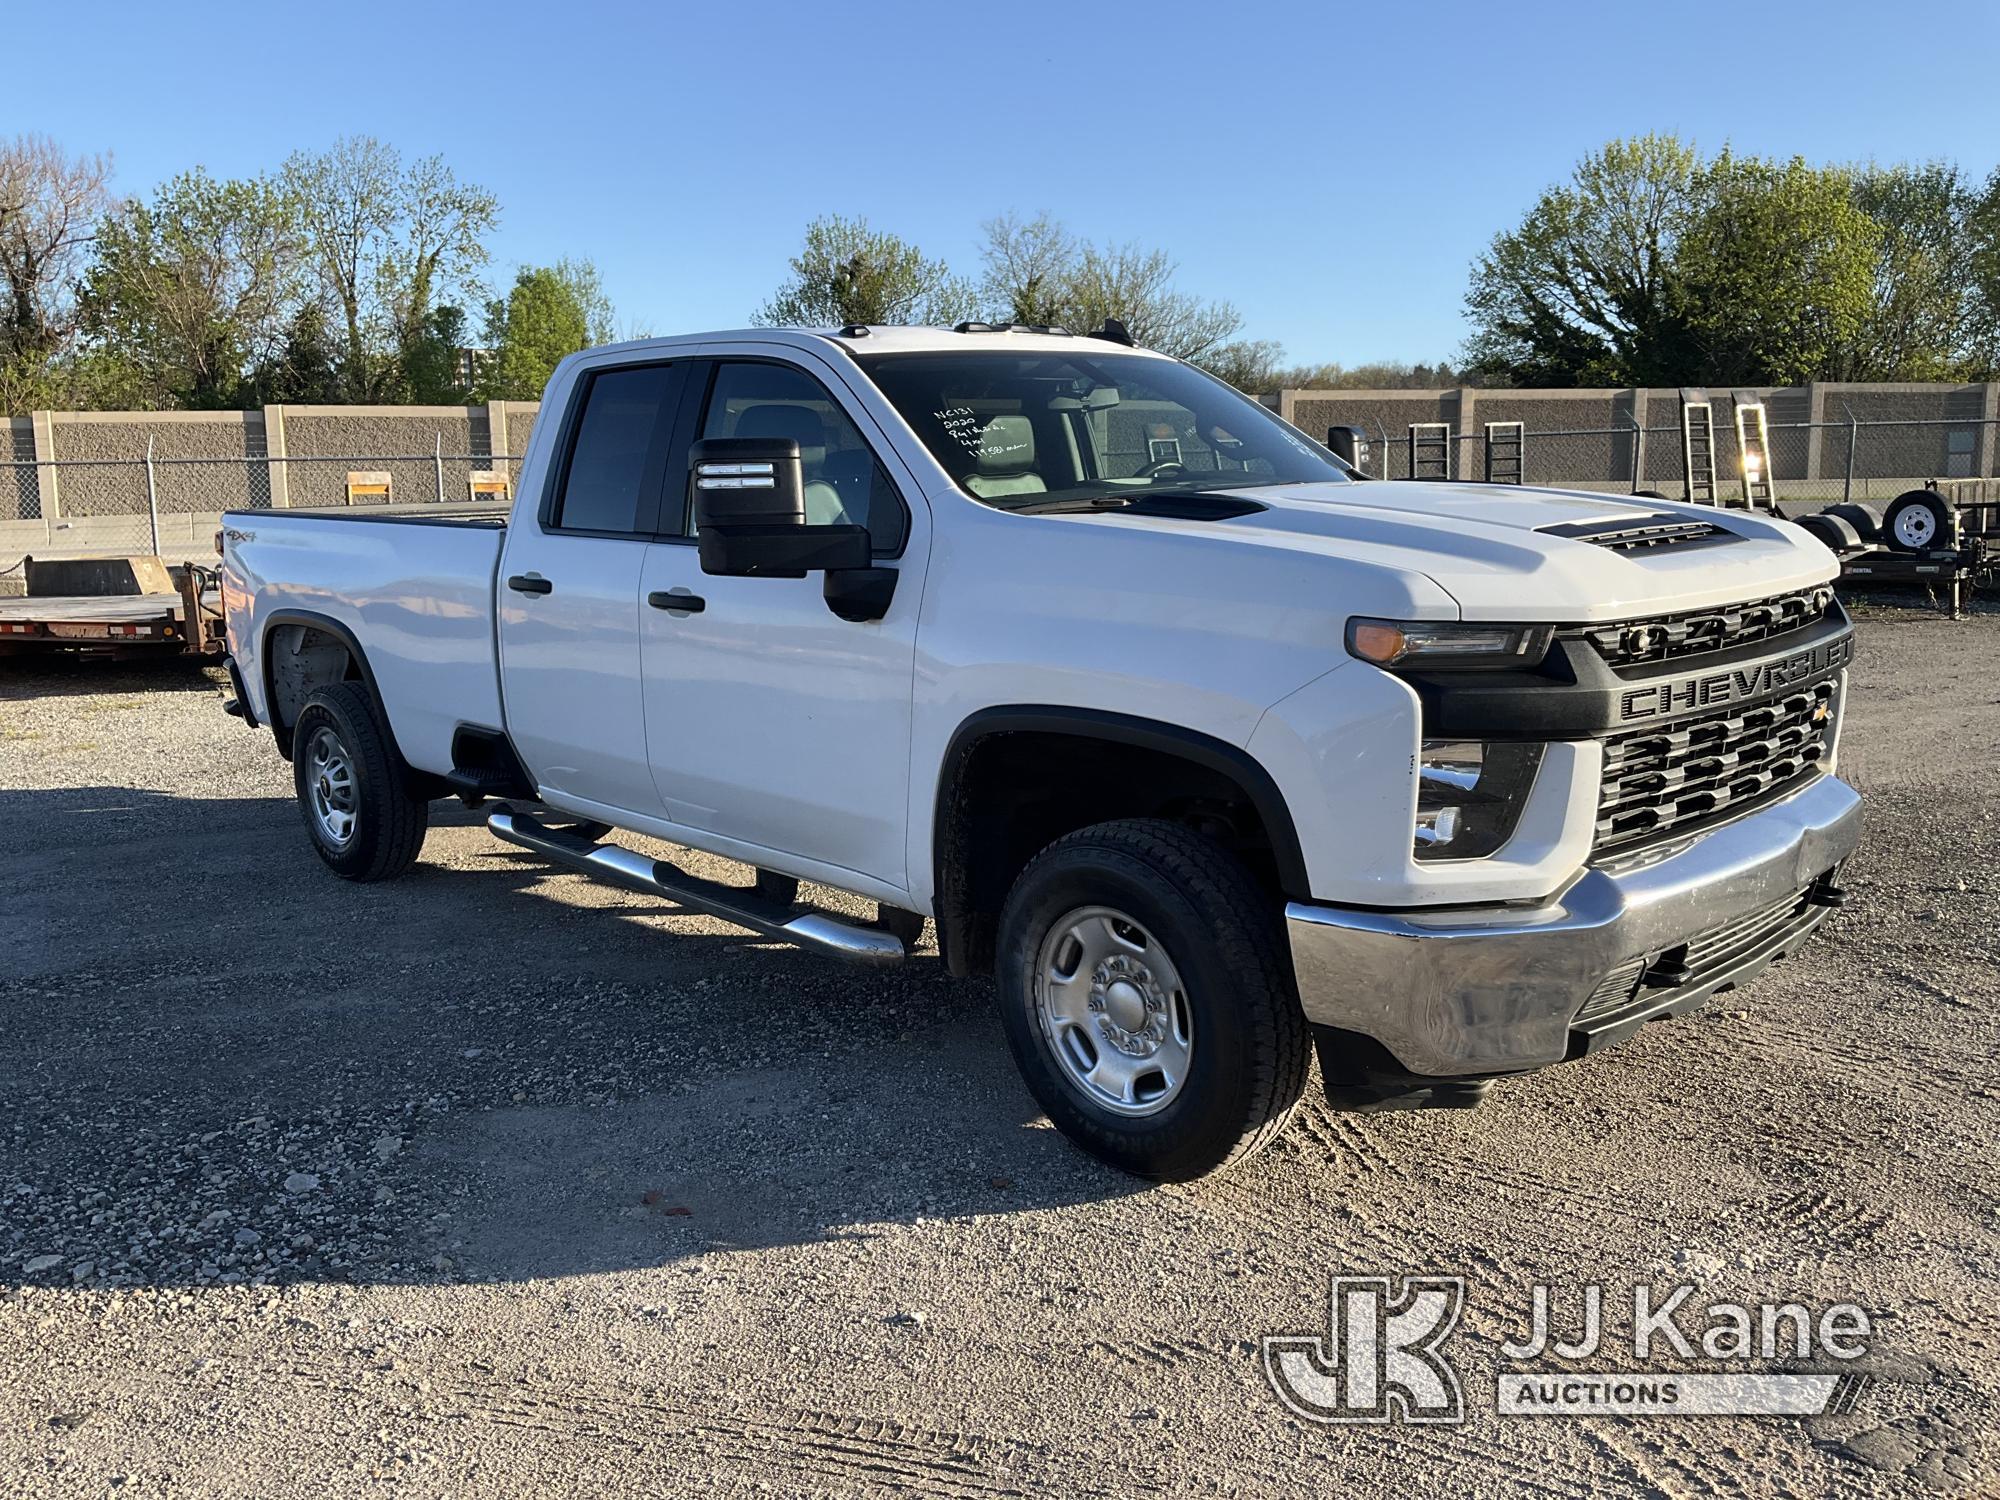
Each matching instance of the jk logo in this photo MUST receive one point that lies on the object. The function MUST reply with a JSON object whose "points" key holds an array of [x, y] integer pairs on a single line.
{"points": [[1381, 1362]]}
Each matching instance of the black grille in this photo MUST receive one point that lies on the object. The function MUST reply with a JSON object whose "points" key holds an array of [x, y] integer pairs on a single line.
{"points": [[1645, 983], [1720, 947], [1699, 632], [1659, 781], [1617, 988]]}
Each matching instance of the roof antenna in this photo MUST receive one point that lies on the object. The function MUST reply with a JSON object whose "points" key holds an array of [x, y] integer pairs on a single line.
{"points": [[1116, 332]]}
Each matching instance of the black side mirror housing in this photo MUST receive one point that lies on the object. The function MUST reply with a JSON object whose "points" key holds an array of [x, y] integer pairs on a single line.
{"points": [[763, 549], [750, 513], [1350, 446], [747, 481]]}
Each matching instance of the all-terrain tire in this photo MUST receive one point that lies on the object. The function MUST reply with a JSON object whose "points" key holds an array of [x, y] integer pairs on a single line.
{"points": [[1223, 939], [348, 775]]}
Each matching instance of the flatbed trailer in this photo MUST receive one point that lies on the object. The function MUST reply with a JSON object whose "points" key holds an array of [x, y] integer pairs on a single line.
{"points": [[135, 616], [1953, 569], [1967, 553]]}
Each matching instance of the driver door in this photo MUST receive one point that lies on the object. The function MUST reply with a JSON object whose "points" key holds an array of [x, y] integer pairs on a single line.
{"points": [[772, 723]]}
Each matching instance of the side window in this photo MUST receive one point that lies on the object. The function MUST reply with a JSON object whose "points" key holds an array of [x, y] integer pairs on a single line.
{"points": [[845, 485], [612, 479]]}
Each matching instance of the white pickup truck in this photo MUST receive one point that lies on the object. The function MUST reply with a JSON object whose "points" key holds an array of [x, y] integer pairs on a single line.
{"points": [[1206, 749]]}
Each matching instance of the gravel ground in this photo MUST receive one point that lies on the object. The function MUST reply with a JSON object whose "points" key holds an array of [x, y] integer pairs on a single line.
{"points": [[493, 1181]]}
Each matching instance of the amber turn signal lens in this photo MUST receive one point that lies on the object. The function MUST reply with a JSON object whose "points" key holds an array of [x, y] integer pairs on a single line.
{"points": [[1377, 641]]}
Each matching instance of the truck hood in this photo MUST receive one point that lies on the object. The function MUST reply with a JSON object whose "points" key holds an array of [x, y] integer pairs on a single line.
{"points": [[1501, 553]]}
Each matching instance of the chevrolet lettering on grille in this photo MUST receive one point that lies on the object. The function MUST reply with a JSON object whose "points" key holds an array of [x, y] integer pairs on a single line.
{"points": [[1713, 689]]}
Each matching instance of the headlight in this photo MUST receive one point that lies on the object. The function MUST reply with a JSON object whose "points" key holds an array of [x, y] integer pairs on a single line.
{"points": [[1447, 643], [1470, 794]]}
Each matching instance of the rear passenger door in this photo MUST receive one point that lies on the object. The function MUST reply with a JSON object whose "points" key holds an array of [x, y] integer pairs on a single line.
{"points": [[569, 590]]}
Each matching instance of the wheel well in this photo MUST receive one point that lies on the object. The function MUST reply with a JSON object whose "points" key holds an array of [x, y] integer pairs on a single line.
{"points": [[1010, 792], [298, 659]]}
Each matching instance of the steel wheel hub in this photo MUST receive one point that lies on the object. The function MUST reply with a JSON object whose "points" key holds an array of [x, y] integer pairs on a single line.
{"points": [[1113, 1011], [330, 775]]}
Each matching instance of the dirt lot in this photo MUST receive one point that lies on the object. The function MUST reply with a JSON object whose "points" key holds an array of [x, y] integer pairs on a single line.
{"points": [[492, 1181]]}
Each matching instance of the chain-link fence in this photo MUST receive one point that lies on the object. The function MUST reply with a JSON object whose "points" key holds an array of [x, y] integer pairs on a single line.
{"points": [[170, 506], [1809, 463]]}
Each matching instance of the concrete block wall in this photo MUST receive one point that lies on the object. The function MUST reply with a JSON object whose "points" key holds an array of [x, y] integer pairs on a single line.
{"points": [[322, 443], [74, 483], [1582, 437]]}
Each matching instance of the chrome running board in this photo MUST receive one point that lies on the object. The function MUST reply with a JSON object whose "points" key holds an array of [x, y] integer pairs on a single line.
{"points": [[727, 903]]}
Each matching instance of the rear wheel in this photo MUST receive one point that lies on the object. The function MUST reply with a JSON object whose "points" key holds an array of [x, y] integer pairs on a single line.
{"points": [[361, 817], [1148, 1000]]}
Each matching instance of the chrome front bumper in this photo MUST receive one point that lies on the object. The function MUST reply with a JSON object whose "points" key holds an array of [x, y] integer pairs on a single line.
{"points": [[1484, 990]]}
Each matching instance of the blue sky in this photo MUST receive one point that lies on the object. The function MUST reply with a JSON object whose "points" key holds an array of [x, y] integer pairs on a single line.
{"points": [[1331, 169]]}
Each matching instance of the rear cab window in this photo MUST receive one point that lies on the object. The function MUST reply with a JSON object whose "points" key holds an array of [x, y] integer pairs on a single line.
{"points": [[617, 455]]}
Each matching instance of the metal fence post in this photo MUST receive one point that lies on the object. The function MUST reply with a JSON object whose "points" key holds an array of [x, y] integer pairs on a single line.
{"points": [[1638, 453], [437, 457], [152, 497], [1853, 436]]}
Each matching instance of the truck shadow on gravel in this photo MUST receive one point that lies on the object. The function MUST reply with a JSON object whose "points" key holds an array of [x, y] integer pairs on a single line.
{"points": [[230, 1067]]}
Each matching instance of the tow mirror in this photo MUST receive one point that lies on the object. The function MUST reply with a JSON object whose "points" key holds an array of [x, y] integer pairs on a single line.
{"points": [[1350, 445], [747, 480], [750, 513]]}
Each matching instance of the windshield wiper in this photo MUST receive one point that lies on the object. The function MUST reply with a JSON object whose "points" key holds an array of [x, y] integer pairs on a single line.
{"points": [[1071, 503], [1181, 503]]}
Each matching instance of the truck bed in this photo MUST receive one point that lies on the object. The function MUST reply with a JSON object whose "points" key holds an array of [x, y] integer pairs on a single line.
{"points": [[430, 513], [412, 587]]}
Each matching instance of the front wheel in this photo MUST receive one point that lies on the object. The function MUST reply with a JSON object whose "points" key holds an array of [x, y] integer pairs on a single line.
{"points": [[1148, 1000], [361, 817]]}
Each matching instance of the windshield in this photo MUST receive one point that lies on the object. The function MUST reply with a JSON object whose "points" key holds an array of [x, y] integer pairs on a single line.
{"points": [[1020, 430]]}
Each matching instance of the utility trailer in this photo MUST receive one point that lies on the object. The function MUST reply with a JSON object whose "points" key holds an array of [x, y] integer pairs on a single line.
{"points": [[1945, 537], [113, 607]]}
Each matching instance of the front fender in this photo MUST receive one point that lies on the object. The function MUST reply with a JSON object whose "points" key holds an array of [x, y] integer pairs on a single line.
{"points": [[1343, 750]]}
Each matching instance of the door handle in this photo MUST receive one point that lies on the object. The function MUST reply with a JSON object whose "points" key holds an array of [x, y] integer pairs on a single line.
{"points": [[692, 604], [530, 583]]}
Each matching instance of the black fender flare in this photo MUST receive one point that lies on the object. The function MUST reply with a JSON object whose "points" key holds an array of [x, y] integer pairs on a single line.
{"points": [[1205, 750], [312, 620]]}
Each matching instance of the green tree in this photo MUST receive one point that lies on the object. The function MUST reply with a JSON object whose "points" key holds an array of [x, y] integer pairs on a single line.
{"points": [[1983, 259], [189, 289], [1923, 322], [848, 273], [1776, 272], [304, 369], [390, 241], [551, 313], [1582, 291], [432, 373]]}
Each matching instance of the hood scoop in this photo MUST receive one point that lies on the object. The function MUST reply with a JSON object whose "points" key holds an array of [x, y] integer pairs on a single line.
{"points": [[1649, 533]]}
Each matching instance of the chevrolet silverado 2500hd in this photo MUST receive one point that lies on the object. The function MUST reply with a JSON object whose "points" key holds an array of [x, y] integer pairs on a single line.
{"points": [[1208, 750]]}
